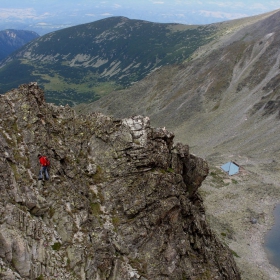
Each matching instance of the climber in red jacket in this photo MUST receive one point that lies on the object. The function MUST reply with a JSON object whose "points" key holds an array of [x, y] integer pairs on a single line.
{"points": [[44, 162]]}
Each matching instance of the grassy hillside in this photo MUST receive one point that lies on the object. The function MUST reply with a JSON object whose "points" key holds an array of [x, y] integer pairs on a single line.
{"points": [[82, 63]]}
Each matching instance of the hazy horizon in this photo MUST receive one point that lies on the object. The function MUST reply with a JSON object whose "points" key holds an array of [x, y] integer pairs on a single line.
{"points": [[51, 15]]}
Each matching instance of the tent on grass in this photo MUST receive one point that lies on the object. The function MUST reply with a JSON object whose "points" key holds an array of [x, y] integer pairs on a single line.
{"points": [[231, 168]]}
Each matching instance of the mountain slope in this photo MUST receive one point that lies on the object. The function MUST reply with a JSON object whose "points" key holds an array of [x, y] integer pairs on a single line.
{"points": [[83, 62], [122, 202], [225, 104], [222, 92], [11, 40]]}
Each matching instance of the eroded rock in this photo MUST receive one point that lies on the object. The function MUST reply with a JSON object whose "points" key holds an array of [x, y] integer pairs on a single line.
{"points": [[122, 202]]}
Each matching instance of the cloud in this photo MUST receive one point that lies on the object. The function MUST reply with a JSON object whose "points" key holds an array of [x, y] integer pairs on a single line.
{"points": [[228, 4], [221, 15], [42, 24], [45, 15], [107, 15], [117, 6], [22, 14], [180, 15], [258, 6], [158, 2], [17, 13]]}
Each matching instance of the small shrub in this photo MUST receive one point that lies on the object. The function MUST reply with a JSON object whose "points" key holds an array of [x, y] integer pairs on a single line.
{"points": [[95, 207], [137, 142], [56, 246], [98, 177], [51, 211], [116, 221], [234, 253]]}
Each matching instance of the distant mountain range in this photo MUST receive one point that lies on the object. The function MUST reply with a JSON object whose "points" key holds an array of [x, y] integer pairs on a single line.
{"points": [[11, 40], [82, 63], [227, 94]]}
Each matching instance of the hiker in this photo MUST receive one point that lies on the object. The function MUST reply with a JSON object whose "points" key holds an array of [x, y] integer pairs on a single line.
{"points": [[44, 162]]}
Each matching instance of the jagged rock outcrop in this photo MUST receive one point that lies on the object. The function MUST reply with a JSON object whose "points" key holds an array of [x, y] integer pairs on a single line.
{"points": [[122, 202]]}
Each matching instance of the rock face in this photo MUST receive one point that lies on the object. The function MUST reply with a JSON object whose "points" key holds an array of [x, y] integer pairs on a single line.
{"points": [[122, 202]]}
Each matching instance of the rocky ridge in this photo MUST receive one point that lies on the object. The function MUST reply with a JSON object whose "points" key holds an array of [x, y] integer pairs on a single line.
{"points": [[225, 104], [122, 202]]}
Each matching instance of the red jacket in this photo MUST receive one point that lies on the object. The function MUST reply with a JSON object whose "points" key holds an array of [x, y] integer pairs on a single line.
{"points": [[43, 161]]}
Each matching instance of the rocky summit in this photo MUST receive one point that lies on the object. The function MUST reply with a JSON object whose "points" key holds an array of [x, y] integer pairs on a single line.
{"points": [[121, 203]]}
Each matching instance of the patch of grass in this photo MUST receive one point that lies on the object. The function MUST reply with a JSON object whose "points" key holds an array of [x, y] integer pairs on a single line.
{"points": [[234, 253], [216, 106], [205, 275], [67, 85], [95, 207], [15, 171], [56, 246], [51, 212], [116, 221], [203, 193], [164, 171], [98, 176], [217, 177]]}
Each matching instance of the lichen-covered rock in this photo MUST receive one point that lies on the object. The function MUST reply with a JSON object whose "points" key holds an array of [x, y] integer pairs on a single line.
{"points": [[122, 202]]}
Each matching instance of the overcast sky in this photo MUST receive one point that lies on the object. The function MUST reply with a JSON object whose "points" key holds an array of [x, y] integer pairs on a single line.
{"points": [[44, 16]]}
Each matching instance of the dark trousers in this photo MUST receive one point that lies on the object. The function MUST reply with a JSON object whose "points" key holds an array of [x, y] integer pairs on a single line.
{"points": [[43, 172]]}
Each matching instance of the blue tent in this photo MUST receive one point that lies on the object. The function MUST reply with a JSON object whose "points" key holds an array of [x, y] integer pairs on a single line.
{"points": [[231, 168]]}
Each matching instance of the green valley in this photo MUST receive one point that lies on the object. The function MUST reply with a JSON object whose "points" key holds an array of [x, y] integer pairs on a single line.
{"points": [[82, 63]]}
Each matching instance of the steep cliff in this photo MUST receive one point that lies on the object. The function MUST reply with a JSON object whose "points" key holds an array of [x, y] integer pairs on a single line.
{"points": [[121, 202]]}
